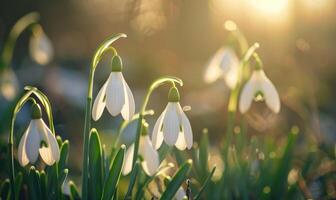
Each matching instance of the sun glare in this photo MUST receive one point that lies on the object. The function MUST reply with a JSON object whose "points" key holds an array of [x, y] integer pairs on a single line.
{"points": [[271, 7]]}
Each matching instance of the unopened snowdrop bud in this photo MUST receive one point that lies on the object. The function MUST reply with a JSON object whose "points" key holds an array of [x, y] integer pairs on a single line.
{"points": [[41, 49], [116, 64], [38, 139], [150, 157], [173, 126], [115, 95], [259, 86]]}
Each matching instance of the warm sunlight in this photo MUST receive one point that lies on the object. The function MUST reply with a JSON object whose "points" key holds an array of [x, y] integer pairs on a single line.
{"points": [[270, 7]]}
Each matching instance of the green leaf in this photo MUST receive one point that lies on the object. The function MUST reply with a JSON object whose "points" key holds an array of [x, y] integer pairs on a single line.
{"points": [[64, 154], [4, 191], [62, 177], [18, 184], [34, 184], [74, 194], [205, 184], [114, 174], [203, 154], [177, 181], [95, 165], [44, 186], [132, 181]]}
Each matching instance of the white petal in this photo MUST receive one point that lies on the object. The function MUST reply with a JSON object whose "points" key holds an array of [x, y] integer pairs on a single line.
{"points": [[41, 49], [157, 135], [186, 130], [271, 95], [115, 94], [213, 70], [51, 153], [33, 141], [151, 160], [171, 124], [129, 108], [22, 155], [127, 168], [231, 77], [247, 95], [180, 194], [229, 60], [99, 103]]}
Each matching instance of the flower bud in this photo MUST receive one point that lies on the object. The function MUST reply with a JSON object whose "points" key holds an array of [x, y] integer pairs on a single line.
{"points": [[173, 95], [36, 112], [116, 64]]}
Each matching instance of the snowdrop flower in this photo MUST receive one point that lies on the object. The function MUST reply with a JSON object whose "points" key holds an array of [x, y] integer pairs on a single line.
{"points": [[224, 63], [180, 194], [38, 139], [41, 49], [115, 95], [259, 86], [8, 84], [173, 125], [150, 157]]}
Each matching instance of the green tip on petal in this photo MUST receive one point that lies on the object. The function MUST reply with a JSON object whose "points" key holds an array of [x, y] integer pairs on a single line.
{"points": [[36, 112], [116, 64], [174, 95]]}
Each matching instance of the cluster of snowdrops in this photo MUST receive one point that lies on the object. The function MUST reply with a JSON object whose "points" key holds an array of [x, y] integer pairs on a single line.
{"points": [[141, 161]]}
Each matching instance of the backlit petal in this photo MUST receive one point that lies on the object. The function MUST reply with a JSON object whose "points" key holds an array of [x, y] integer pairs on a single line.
{"points": [[33, 141], [99, 103], [247, 96], [171, 124], [213, 70], [127, 168], [129, 108], [22, 155], [51, 153], [151, 160], [115, 94], [157, 135], [186, 129], [180, 194], [271, 95]]}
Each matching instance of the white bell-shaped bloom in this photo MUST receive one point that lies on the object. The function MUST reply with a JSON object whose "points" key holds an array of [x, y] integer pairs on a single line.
{"points": [[41, 49], [224, 63], [180, 194], [150, 157], [115, 95], [173, 126], [259, 84], [38, 139], [8, 84]]}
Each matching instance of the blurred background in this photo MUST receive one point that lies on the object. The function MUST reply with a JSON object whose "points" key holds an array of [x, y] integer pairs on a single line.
{"points": [[178, 37]]}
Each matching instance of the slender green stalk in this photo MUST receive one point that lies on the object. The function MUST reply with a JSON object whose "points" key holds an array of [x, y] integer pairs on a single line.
{"points": [[101, 50], [22, 24], [152, 87]]}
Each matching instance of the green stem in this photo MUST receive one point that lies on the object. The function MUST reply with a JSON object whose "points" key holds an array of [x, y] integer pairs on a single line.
{"points": [[153, 86], [101, 50], [21, 25]]}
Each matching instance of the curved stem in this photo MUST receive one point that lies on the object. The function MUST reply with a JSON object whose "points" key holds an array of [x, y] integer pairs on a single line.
{"points": [[152, 87], [101, 50], [21, 25]]}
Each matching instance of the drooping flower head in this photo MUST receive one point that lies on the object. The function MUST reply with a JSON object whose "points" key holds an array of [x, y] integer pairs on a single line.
{"points": [[224, 63], [38, 139], [259, 86], [115, 94], [173, 126], [149, 156], [41, 49]]}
